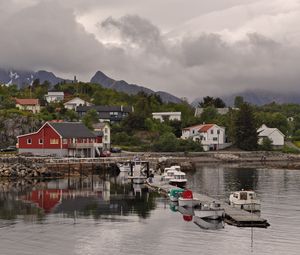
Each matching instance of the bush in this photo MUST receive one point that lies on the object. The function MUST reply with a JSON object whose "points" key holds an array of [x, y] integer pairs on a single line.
{"points": [[266, 144], [291, 150]]}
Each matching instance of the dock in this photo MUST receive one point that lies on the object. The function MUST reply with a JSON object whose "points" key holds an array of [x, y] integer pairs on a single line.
{"points": [[233, 216]]}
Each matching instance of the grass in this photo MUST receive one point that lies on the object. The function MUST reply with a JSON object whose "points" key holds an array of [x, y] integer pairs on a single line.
{"points": [[297, 143]]}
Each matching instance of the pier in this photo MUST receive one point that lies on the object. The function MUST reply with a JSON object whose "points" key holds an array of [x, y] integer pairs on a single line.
{"points": [[233, 216]]}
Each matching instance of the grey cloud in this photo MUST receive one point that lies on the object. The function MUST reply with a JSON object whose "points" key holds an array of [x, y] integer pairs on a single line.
{"points": [[46, 36]]}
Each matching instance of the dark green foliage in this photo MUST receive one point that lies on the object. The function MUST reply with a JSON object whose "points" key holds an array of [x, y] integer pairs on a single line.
{"points": [[266, 144], [238, 101], [90, 118], [245, 128], [212, 102], [209, 115]]}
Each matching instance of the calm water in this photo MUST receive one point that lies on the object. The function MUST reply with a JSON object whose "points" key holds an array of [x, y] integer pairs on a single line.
{"points": [[96, 216]]}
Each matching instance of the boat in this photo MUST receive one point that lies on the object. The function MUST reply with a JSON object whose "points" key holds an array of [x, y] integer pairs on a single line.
{"points": [[178, 179], [174, 194], [245, 199], [168, 174], [187, 200], [211, 211], [208, 223]]}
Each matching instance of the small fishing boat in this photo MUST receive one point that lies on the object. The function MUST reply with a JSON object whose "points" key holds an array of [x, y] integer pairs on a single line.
{"points": [[245, 199], [178, 179], [187, 200], [174, 194], [211, 211]]}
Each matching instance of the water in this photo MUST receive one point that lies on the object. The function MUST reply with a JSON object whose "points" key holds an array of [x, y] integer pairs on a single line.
{"points": [[96, 216]]}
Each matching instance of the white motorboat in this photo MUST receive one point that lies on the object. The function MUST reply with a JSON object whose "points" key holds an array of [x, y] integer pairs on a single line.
{"points": [[178, 179], [245, 199], [207, 223], [211, 211], [187, 200], [168, 174]]}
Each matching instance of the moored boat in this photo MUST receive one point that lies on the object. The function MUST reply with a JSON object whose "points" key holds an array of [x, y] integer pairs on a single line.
{"points": [[178, 179], [174, 194], [245, 199], [187, 200], [211, 211]]}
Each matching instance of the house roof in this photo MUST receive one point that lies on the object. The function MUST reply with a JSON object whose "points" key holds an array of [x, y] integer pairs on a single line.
{"points": [[74, 99], [100, 125], [55, 93], [195, 126], [104, 108], [265, 131], [205, 127], [72, 130], [27, 101]]}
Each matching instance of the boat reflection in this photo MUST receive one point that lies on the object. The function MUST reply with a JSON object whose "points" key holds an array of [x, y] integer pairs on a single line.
{"points": [[208, 224]]}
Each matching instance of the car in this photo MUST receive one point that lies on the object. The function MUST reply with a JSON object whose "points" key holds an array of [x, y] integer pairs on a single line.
{"points": [[10, 148], [115, 150], [105, 154]]}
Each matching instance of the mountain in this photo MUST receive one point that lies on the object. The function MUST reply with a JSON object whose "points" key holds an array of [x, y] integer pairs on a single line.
{"points": [[259, 97], [24, 78], [132, 89]]}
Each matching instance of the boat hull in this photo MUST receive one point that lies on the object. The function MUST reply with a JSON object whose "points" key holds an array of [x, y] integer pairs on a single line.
{"points": [[187, 202], [180, 184], [248, 207], [212, 214], [207, 223]]}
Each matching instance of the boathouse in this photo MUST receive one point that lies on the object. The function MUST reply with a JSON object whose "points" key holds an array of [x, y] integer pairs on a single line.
{"points": [[61, 139]]}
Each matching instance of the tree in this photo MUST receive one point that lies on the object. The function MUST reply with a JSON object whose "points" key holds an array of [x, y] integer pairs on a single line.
{"points": [[210, 101], [245, 128], [238, 101], [219, 103], [266, 144], [209, 114], [90, 118]]}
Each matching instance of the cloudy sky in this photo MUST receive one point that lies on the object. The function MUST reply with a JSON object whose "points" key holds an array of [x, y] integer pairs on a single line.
{"points": [[190, 48]]}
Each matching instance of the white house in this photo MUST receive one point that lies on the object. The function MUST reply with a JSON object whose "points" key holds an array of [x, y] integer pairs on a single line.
{"points": [[75, 102], [162, 116], [54, 96], [103, 127], [211, 136], [274, 134]]}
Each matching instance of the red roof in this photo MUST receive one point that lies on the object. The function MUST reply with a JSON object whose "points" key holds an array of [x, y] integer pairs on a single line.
{"points": [[204, 128], [27, 101]]}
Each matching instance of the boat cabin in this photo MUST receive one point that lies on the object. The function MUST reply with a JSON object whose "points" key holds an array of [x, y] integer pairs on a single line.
{"points": [[245, 195]]}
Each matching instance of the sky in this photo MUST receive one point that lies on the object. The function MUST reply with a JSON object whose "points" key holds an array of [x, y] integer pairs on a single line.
{"points": [[190, 48]]}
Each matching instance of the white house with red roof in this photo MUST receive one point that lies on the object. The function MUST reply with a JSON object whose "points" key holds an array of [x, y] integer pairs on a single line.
{"points": [[28, 104], [211, 136]]}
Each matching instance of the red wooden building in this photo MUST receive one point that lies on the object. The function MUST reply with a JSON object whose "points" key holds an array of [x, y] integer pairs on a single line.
{"points": [[61, 139]]}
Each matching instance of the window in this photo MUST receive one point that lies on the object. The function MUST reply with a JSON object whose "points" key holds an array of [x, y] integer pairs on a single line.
{"points": [[106, 130], [212, 131], [215, 139], [218, 132], [54, 141], [105, 138], [29, 141], [41, 141], [65, 141]]}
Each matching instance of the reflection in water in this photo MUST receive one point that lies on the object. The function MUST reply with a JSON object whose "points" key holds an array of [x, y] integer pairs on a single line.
{"points": [[90, 196], [114, 217]]}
